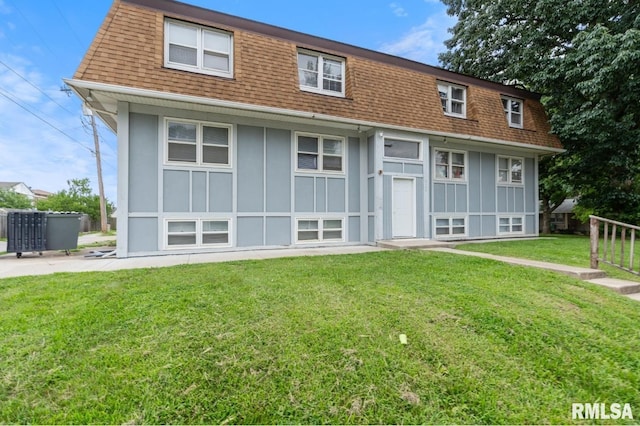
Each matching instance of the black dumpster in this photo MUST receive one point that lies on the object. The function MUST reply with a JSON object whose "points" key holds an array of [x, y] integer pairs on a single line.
{"points": [[26, 232], [62, 231], [40, 231]]}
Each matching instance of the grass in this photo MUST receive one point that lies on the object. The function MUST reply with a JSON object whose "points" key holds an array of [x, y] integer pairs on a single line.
{"points": [[315, 340], [571, 250]]}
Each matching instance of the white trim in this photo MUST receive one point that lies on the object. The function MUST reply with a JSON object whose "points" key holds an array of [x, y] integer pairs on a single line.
{"points": [[405, 159], [199, 67], [320, 84], [320, 154], [509, 112], [511, 224], [414, 225], [437, 178], [122, 214], [509, 181], [198, 232], [356, 124], [450, 218], [320, 229], [199, 144], [450, 100]]}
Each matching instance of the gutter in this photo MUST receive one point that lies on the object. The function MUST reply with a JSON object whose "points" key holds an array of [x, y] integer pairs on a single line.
{"points": [[357, 124]]}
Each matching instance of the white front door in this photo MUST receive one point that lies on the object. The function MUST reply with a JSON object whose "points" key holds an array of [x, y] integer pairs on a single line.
{"points": [[404, 208]]}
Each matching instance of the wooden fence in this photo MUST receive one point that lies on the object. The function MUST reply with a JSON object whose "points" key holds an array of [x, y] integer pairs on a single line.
{"points": [[615, 251]]}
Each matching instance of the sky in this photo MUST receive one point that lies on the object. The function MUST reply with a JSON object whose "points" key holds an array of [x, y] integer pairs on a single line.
{"points": [[46, 140]]}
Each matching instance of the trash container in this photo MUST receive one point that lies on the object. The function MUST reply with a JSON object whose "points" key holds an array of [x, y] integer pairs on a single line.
{"points": [[62, 231], [26, 232]]}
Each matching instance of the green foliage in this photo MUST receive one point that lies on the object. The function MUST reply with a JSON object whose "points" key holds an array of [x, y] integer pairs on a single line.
{"points": [[583, 56], [553, 185], [78, 198], [10, 199], [314, 340]]}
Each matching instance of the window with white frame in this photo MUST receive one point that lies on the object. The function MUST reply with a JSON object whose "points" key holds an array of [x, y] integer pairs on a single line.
{"points": [[198, 143], [319, 153], [450, 227], [453, 98], [395, 148], [196, 48], [513, 111], [321, 73], [510, 170], [316, 230], [511, 225], [182, 233], [449, 165]]}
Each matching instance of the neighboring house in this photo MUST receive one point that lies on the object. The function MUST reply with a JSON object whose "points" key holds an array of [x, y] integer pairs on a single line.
{"points": [[41, 194], [233, 134], [19, 188], [563, 219]]}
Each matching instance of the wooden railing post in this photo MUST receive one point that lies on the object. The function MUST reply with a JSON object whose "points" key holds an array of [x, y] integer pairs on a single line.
{"points": [[594, 229]]}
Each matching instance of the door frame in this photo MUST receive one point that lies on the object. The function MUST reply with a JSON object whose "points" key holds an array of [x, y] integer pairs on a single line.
{"points": [[414, 226]]}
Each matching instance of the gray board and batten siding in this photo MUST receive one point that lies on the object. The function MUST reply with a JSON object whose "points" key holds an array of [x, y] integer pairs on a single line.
{"points": [[262, 194]]}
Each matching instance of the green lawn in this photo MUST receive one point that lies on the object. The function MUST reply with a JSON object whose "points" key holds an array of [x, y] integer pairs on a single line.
{"points": [[315, 340], [571, 250]]}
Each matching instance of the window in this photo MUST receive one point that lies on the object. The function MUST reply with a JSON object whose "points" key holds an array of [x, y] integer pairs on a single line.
{"points": [[320, 153], [181, 233], [453, 99], [450, 227], [510, 170], [321, 73], [401, 149], [513, 111], [510, 225], [449, 165], [315, 230], [198, 143], [194, 48], [197, 233], [215, 232]]}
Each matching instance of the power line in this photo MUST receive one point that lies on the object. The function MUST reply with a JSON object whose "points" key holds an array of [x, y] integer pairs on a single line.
{"points": [[35, 87], [47, 122], [33, 27], [64, 18]]}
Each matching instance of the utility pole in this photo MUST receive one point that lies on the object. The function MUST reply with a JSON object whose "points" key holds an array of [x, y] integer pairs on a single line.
{"points": [[103, 205], [96, 142]]}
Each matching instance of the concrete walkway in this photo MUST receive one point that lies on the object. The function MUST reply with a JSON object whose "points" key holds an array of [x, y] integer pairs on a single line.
{"points": [[630, 289], [55, 261]]}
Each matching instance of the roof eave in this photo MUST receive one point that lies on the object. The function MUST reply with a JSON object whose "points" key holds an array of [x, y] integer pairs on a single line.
{"points": [[86, 90]]}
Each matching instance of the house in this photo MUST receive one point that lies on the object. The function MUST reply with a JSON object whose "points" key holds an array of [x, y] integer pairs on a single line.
{"points": [[18, 188], [563, 218], [234, 134], [41, 194]]}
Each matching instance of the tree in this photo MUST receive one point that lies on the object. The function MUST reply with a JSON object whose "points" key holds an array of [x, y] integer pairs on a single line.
{"points": [[78, 198], [12, 200], [554, 187], [583, 57]]}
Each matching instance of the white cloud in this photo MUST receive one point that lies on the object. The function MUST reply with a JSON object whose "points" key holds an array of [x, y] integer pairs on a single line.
{"points": [[398, 10], [32, 151], [424, 42]]}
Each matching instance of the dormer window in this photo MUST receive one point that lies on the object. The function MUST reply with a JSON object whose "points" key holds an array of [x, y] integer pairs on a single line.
{"points": [[200, 49], [453, 98], [321, 73], [513, 111]]}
